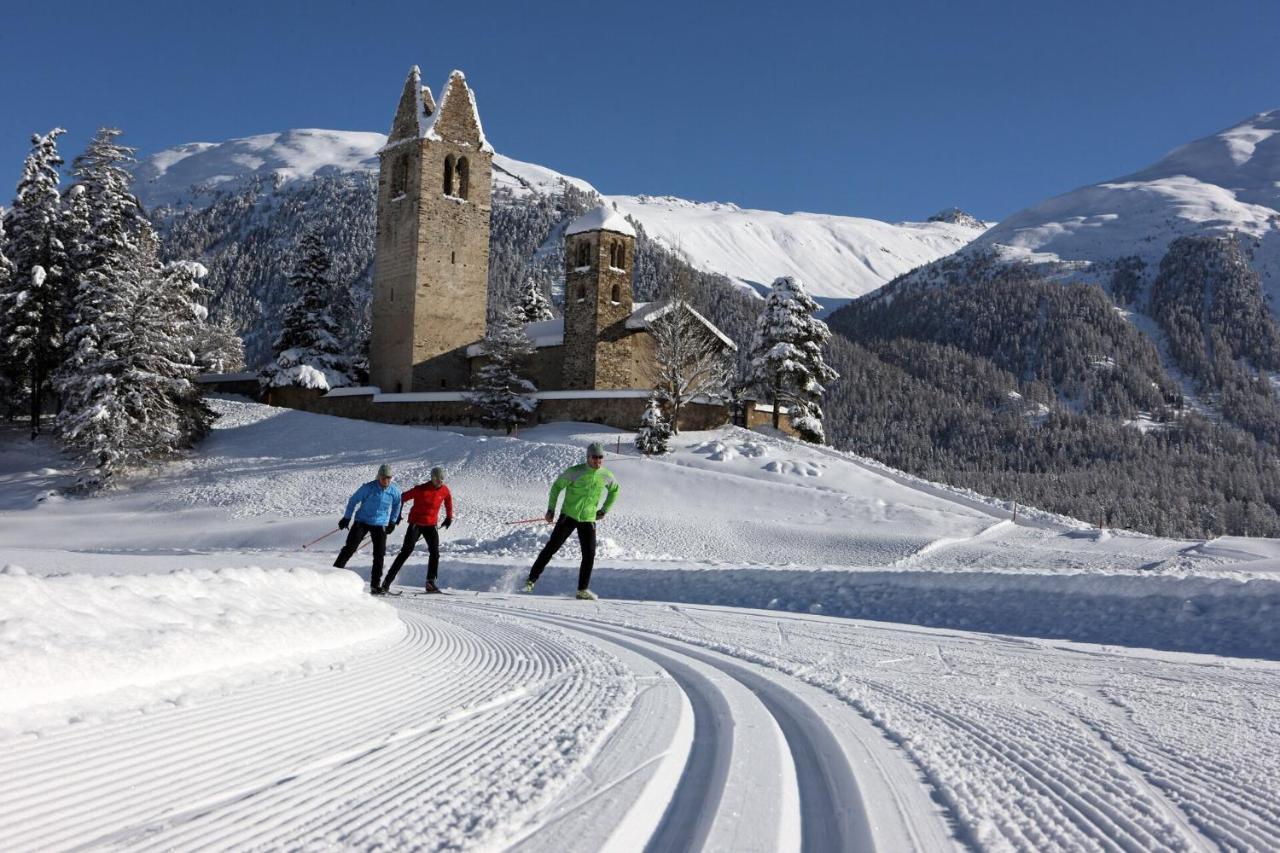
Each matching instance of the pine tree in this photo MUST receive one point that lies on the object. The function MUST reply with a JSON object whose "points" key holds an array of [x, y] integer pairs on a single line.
{"points": [[534, 304], [107, 245], [9, 403], [32, 307], [126, 383], [500, 395], [654, 432], [219, 349], [786, 357], [309, 351]]}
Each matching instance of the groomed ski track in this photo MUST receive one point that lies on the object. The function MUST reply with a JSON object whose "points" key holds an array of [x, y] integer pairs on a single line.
{"points": [[540, 724]]}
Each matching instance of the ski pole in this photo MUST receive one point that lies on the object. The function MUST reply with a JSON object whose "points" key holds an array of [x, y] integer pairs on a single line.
{"points": [[529, 520], [326, 536]]}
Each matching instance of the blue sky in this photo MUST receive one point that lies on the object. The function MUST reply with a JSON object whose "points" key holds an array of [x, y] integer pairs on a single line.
{"points": [[888, 110]]}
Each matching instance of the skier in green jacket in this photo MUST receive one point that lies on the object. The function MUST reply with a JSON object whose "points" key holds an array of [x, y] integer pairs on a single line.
{"points": [[582, 486]]}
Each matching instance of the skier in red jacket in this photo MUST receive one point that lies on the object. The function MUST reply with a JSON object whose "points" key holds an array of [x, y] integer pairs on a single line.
{"points": [[426, 498]]}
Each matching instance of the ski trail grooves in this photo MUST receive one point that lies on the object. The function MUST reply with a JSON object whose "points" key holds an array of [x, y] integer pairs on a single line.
{"points": [[738, 790], [460, 729], [830, 806]]}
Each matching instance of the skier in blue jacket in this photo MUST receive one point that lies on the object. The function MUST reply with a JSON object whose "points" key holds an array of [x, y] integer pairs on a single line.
{"points": [[379, 505]]}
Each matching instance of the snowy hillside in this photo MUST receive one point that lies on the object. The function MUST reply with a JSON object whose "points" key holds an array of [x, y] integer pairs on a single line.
{"points": [[181, 674], [838, 257], [1225, 183]]}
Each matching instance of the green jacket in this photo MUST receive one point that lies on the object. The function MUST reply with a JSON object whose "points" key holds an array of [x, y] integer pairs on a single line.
{"points": [[583, 487]]}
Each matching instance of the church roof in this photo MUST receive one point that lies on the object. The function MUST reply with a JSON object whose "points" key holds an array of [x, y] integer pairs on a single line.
{"points": [[602, 218], [648, 312], [550, 333]]}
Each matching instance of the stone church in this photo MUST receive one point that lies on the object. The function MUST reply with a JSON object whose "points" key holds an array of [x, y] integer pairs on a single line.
{"points": [[431, 267]]}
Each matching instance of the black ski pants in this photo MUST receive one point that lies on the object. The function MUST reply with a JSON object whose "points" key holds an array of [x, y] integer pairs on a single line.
{"points": [[378, 535], [559, 534], [431, 535]]}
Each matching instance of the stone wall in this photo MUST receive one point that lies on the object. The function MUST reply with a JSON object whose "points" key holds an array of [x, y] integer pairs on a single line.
{"points": [[622, 411]]}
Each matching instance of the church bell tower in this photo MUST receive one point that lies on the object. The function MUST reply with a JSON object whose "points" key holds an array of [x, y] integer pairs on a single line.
{"points": [[431, 255]]}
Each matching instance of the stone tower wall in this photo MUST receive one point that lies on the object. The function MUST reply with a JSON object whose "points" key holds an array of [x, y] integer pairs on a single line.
{"points": [[452, 267], [431, 261], [599, 351], [395, 269]]}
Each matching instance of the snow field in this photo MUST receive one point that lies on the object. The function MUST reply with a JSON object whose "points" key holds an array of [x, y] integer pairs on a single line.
{"points": [[75, 646], [452, 737], [1027, 746]]}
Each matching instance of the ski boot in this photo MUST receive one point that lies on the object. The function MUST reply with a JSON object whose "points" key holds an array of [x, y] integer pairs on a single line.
{"points": [[528, 586], [432, 588], [587, 595]]}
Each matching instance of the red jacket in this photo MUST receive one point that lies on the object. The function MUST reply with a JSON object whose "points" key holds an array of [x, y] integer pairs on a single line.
{"points": [[427, 498]]}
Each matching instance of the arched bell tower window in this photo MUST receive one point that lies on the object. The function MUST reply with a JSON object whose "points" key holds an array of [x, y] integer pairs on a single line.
{"points": [[448, 175], [464, 177], [616, 295], [582, 292], [618, 256], [584, 254]]}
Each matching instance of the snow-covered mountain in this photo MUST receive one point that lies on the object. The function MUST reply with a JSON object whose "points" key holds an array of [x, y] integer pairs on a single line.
{"points": [[1226, 183], [838, 257]]}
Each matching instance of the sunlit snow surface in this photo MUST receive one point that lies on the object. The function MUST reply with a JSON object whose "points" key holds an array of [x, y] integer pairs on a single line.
{"points": [[192, 701]]}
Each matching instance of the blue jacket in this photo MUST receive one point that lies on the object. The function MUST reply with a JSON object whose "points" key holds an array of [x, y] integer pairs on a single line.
{"points": [[377, 505]]}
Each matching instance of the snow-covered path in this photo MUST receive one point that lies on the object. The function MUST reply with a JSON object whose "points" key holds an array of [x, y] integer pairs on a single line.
{"points": [[541, 723]]}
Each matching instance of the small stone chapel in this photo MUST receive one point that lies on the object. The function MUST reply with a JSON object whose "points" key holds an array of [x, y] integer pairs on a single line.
{"points": [[431, 269]]}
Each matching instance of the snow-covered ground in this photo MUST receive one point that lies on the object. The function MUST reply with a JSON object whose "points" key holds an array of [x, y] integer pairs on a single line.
{"points": [[179, 673], [838, 257]]}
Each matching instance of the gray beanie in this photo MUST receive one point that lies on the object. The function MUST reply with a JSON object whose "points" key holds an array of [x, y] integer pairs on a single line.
{"points": [[437, 473], [595, 449], [384, 470]]}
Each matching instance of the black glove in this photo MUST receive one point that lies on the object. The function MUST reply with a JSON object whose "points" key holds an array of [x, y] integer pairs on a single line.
{"points": [[343, 523], [391, 526], [599, 514], [447, 522]]}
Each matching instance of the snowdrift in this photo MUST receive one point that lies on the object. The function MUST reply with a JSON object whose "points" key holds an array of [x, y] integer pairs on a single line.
{"points": [[76, 644]]}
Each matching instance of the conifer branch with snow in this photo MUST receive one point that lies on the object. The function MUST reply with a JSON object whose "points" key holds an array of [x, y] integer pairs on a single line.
{"points": [[534, 305]]}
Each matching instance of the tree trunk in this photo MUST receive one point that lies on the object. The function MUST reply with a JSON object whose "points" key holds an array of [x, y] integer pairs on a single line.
{"points": [[777, 389]]}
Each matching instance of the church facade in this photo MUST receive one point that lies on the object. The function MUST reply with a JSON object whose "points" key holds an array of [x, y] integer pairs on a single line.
{"points": [[430, 278]]}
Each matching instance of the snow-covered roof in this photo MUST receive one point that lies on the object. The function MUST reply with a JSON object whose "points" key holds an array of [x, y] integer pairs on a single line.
{"points": [[550, 333], [544, 333], [601, 218], [647, 312]]}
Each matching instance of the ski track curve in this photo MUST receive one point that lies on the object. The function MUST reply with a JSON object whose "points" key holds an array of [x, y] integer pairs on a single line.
{"points": [[454, 734], [832, 816]]}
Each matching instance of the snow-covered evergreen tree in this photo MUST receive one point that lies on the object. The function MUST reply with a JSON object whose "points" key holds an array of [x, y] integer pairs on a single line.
{"points": [[126, 381], [107, 239], [655, 432], [309, 352], [534, 304], [9, 402], [33, 306], [500, 395], [219, 348], [786, 357]]}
